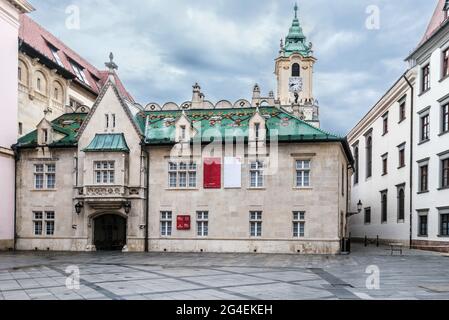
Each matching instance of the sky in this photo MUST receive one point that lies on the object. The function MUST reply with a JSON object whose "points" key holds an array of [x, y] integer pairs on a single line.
{"points": [[162, 47]]}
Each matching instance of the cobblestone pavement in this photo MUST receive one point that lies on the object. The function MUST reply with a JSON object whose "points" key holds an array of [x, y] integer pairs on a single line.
{"points": [[173, 276]]}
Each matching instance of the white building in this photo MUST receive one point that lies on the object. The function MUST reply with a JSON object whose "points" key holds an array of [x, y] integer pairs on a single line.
{"points": [[10, 11], [401, 151]]}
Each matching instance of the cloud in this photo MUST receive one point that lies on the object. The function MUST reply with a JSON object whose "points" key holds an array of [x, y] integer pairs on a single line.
{"points": [[163, 47]]}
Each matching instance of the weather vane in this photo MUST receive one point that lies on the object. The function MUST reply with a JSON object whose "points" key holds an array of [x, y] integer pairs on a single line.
{"points": [[111, 65]]}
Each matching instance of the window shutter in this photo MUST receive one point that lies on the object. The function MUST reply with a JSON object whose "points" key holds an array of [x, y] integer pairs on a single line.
{"points": [[212, 173]]}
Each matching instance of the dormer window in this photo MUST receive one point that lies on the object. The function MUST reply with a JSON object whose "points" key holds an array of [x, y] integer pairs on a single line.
{"points": [[113, 121], [183, 132], [257, 128], [446, 9], [45, 135], [296, 70], [79, 72], [107, 120], [54, 52]]}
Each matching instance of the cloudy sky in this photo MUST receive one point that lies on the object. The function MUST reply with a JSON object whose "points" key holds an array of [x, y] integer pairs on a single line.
{"points": [[163, 47]]}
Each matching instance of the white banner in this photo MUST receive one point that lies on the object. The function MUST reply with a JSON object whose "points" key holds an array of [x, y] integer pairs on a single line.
{"points": [[232, 172]]}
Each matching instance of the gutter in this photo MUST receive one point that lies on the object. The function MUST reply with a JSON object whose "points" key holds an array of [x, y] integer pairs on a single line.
{"points": [[411, 157]]}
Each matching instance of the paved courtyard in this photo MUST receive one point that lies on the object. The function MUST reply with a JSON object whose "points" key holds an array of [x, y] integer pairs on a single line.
{"points": [[117, 276]]}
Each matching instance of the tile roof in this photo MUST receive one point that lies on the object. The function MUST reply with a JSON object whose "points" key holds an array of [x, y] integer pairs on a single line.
{"points": [[68, 125], [227, 123], [108, 142], [436, 22], [39, 39]]}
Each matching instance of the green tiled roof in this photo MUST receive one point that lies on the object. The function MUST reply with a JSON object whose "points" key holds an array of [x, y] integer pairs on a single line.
{"points": [[68, 125], [108, 142], [228, 123]]}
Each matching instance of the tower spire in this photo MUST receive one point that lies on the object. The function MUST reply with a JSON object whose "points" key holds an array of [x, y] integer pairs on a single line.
{"points": [[296, 10]]}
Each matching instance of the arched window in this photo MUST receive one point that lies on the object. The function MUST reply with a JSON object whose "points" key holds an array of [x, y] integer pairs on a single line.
{"points": [[23, 73], [56, 94], [369, 157], [401, 204], [296, 72], [356, 164], [38, 84], [41, 83]]}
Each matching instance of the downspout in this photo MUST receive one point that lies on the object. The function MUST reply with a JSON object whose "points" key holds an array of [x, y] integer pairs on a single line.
{"points": [[411, 157], [16, 160], [147, 198]]}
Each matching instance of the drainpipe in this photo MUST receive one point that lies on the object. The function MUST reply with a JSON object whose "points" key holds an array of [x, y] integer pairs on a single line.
{"points": [[16, 160], [411, 156], [147, 198]]}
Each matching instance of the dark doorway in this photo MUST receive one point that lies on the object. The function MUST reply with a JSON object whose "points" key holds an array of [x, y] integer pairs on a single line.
{"points": [[110, 232]]}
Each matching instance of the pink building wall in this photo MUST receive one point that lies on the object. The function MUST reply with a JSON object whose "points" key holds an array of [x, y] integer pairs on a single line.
{"points": [[9, 31]]}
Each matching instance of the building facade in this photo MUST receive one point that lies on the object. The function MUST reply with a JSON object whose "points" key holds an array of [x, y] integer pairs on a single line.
{"points": [[10, 12], [401, 151], [255, 176], [53, 79]]}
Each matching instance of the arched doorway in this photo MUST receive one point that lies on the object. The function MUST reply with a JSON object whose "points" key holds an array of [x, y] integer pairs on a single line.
{"points": [[109, 232]]}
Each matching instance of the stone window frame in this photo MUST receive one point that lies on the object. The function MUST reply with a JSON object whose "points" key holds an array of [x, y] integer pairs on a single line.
{"points": [[99, 172], [45, 175], [44, 219], [443, 159], [444, 115], [401, 187], [356, 151], [443, 232], [423, 163], [425, 77], [191, 174], [166, 223], [424, 128], [384, 206], [202, 223], [444, 62], [384, 164], [422, 213], [256, 220], [402, 109], [402, 162], [366, 211], [299, 224], [256, 167], [369, 154], [305, 171], [385, 124]]}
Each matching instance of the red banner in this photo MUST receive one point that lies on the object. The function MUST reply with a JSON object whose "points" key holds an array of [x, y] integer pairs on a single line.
{"points": [[183, 223], [212, 173]]}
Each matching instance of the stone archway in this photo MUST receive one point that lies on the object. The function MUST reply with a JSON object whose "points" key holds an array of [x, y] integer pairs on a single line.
{"points": [[109, 232]]}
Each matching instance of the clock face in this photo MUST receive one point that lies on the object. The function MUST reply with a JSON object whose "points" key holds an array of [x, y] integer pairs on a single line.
{"points": [[295, 84]]}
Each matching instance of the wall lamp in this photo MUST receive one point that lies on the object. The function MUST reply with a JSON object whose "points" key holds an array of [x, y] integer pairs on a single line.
{"points": [[127, 206], [359, 209], [79, 206]]}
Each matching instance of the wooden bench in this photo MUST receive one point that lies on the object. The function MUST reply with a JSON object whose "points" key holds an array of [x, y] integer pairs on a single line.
{"points": [[396, 247]]}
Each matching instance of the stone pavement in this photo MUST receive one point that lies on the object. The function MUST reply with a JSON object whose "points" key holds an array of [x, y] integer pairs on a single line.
{"points": [[174, 276]]}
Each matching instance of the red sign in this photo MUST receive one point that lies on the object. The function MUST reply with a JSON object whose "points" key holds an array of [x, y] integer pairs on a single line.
{"points": [[212, 173], [183, 223]]}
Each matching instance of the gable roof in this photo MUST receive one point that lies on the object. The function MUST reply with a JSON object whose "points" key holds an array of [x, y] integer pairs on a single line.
{"points": [[67, 125], [436, 22], [98, 101], [40, 40]]}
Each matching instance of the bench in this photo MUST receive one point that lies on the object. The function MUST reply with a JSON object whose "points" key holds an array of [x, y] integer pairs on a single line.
{"points": [[396, 247]]}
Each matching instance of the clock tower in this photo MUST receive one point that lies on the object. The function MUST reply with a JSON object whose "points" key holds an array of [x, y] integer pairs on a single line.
{"points": [[294, 72]]}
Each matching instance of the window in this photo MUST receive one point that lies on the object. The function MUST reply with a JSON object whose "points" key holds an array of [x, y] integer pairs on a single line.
{"points": [[401, 204], [385, 164], [20, 128], [356, 160], [367, 215], [255, 221], [113, 121], [425, 78], [104, 172], [424, 178], [423, 224], [425, 127], [445, 118], [385, 124], [106, 117], [402, 115], [182, 175], [54, 52], [302, 173], [56, 94], [257, 127], [20, 74], [41, 219], [445, 173], [401, 149], [44, 176], [296, 70], [384, 206], [299, 224], [183, 133], [79, 72], [445, 72], [369, 157], [256, 174], [38, 84], [166, 223], [202, 223], [45, 131], [444, 224]]}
